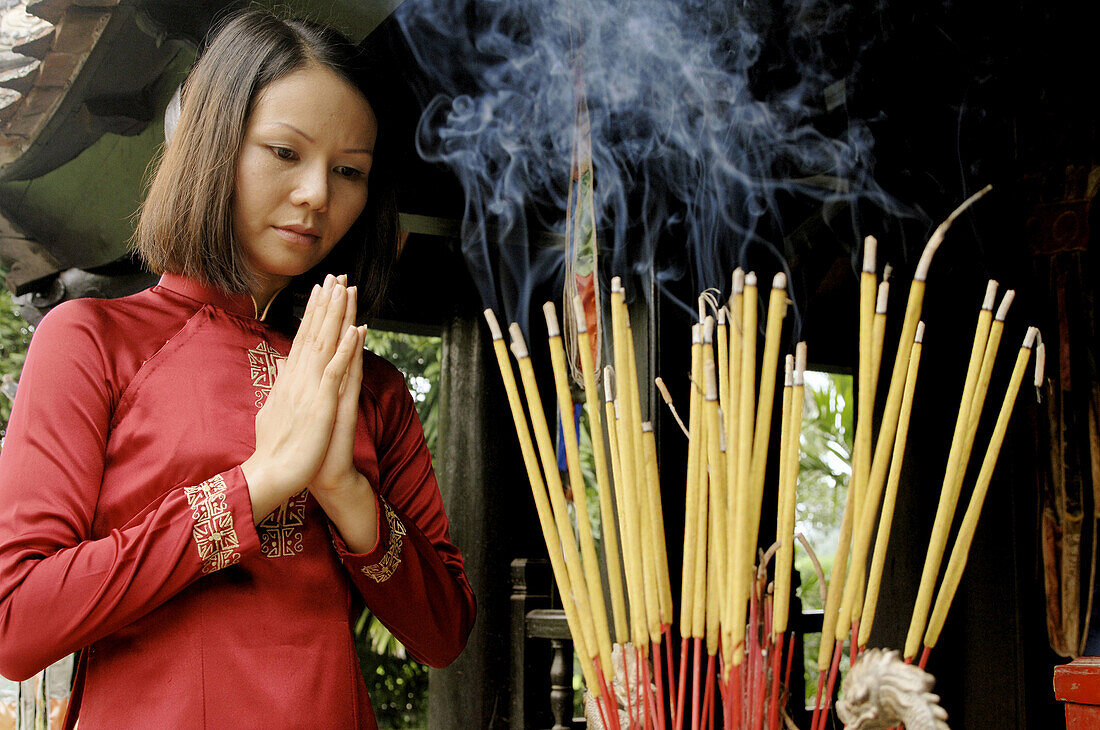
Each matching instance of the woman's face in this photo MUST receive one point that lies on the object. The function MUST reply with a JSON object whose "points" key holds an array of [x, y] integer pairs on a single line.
{"points": [[302, 174]]}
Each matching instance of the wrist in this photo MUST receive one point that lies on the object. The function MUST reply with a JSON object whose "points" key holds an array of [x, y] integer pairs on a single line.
{"points": [[263, 488], [352, 506]]}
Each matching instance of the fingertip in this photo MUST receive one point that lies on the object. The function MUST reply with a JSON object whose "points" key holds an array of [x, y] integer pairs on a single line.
{"points": [[343, 279]]}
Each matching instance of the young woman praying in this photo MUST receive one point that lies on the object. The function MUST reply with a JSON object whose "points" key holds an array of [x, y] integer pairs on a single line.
{"points": [[198, 491]]}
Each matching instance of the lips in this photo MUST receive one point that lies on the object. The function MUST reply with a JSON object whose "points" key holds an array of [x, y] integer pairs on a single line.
{"points": [[300, 235]]}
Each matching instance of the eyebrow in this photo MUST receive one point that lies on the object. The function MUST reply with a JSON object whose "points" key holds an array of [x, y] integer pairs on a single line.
{"points": [[352, 150]]}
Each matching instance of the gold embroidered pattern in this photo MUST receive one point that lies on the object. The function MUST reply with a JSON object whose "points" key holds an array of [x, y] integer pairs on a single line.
{"points": [[281, 531], [213, 531], [262, 363], [384, 569]]}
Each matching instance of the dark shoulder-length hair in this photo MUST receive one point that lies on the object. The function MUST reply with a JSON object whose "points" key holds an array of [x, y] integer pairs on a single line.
{"points": [[185, 224]]}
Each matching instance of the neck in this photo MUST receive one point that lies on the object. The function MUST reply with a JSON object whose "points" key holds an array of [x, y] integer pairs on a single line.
{"points": [[264, 293]]}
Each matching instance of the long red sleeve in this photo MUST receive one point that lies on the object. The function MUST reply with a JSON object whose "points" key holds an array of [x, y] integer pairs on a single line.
{"points": [[412, 580], [61, 590]]}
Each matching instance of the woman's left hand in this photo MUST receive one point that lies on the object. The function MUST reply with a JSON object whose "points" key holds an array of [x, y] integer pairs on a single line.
{"points": [[344, 493], [337, 470]]}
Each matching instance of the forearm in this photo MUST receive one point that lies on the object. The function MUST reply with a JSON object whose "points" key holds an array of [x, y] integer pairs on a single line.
{"points": [[56, 599]]}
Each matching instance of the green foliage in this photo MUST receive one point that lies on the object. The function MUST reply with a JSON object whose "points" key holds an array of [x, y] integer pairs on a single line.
{"points": [[419, 358], [398, 685], [825, 468], [15, 336]]}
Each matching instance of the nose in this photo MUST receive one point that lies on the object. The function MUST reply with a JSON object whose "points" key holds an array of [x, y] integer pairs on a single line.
{"points": [[311, 188]]}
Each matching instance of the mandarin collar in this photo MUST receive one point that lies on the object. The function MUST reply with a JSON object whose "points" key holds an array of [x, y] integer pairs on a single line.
{"points": [[240, 304]]}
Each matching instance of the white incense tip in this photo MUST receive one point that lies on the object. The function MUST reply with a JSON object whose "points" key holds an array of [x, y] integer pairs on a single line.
{"points": [[990, 295], [647, 427], [519, 345], [738, 280], [701, 302], [941, 230], [551, 314], [788, 371], [696, 334], [721, 316], [1002, 311], [608, 374], [1040, 362], [883, 297], [616, 283], [870, 250], [494, 326], [708, 330], [887, 272], [800, 357], [663, 390], [919, 337], [779, 281], [1029, 338], [711, 380], [750, 278], [579, 314]]}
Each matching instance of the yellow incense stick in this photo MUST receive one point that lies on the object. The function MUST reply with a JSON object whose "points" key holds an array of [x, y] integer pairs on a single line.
{"points": [[567, 541], [777, 311], [952, 480], [704, 482], [723, 342], [636, 611], [628, 465], [882, 537], [649, 440], [599, 457], [957, 562], [878, 336], [887, 431], [542, 503], [861, 454], [591, 563], [732, 416], [878, 331], [833, 620], [647, 511], [784, 528], [742, 574], [717, 492], [695, 417]]}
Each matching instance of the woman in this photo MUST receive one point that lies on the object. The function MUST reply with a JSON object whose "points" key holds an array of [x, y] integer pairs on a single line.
{"points": [[197, 528]]}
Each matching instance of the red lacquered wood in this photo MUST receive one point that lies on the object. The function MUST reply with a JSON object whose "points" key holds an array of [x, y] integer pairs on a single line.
{"points": [[1078, 685]]}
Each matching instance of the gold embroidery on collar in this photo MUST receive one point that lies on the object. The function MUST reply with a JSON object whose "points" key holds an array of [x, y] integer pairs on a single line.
{"points": [[213, 531], [262, 369], [281, 531], [384, 569]]}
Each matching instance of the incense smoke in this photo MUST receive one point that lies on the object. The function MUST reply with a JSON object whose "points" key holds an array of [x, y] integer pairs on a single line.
{"points": [[708, 124]]}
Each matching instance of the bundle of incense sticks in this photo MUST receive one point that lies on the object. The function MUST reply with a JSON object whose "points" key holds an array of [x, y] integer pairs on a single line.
{"points": [[728, 609]]}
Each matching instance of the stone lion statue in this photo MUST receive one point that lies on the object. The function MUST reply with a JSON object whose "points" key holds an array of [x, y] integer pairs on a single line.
{"points": [[883, 692]]}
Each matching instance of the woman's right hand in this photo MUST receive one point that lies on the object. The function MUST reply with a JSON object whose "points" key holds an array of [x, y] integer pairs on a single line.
{"points": [[294, 426]]}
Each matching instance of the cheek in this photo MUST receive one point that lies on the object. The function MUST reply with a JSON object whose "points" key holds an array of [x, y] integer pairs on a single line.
{"points": [[348, 208]]}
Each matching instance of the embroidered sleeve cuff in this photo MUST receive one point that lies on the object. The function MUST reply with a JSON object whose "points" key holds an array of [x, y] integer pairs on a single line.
{"points": [[385, 557], [221, 511]]}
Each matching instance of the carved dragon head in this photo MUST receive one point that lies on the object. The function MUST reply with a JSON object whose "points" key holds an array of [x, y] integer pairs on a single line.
{"points": [[882, 691]]}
